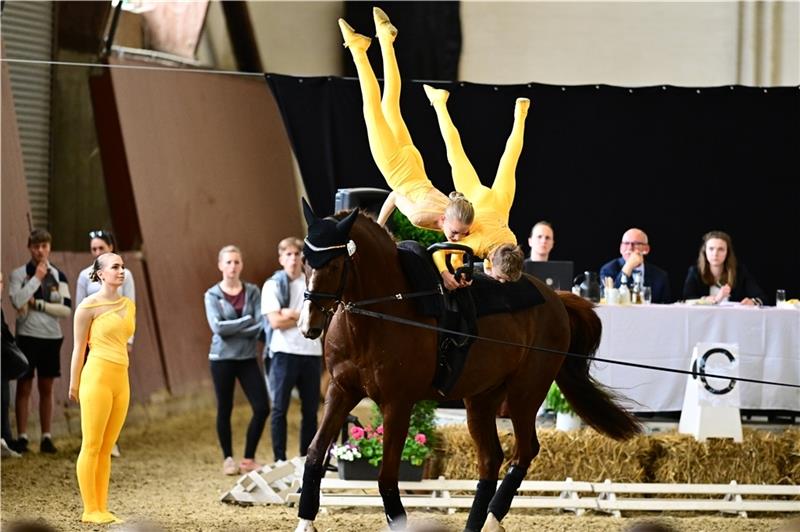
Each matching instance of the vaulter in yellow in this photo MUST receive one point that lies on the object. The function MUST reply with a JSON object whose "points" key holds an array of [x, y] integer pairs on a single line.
{"points": [[104, 321], [489, 230], [401, 163]]}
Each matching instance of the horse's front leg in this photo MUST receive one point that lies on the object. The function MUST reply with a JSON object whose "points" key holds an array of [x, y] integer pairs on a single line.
{"points": [[395, 429], [338, 404]]}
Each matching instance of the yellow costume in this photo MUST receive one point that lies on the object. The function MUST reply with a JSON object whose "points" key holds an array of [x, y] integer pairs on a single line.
{"points": [[389, 140], [104, 393], [492, 205], [401, 163]]}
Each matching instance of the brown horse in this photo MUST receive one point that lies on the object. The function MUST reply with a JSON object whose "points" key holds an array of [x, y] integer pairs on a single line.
{"points": [[352, 258]]}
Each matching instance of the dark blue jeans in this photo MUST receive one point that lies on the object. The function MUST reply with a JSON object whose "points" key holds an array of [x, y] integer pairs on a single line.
{"points": [[285, 372]]}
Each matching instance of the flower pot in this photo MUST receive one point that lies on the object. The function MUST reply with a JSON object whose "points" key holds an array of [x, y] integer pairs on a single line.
{"points": [[361, 469], [567, 421]]}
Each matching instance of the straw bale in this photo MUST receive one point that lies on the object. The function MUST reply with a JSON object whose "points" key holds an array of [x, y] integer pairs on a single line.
{"points": [[792, 438], [761, 458], [584, 455]]}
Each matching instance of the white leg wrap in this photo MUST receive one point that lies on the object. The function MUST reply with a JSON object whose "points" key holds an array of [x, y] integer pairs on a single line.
{"points": [[492, 524], [304, 525]]}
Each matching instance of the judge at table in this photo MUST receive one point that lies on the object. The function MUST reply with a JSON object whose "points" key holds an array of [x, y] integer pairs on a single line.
{"points": [[718, 276], [633, 248]]}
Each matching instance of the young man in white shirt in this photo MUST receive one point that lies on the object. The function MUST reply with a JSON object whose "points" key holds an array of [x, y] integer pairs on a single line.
{"points": [[295, 360]]}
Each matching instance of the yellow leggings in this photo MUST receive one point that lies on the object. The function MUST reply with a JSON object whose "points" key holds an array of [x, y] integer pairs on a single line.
{"points": [[389, 140], [501, 196], [104, 395]]}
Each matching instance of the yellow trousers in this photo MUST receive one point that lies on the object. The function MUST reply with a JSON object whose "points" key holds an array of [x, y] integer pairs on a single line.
{"points": [[500, 197], [390, 141], [104, 395], [492, 205]]}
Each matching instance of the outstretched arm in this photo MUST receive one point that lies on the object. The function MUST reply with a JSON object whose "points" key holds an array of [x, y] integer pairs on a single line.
{"points": [[386, 210]]}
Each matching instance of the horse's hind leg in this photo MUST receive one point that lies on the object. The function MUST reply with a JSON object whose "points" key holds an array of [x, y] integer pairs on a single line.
{"points": [[396, 417], [481, 422], [523, 416], [338, 404]]}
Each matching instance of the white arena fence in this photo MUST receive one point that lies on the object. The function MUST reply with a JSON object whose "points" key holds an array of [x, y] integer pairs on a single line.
{"points": [[280, 483]]}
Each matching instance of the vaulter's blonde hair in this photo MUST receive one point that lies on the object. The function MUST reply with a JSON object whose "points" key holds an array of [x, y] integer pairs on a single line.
{"points": [[460, 208]]}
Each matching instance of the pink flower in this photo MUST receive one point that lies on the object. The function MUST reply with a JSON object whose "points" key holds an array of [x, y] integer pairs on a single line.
{"points": [[420, 438], [379, 430], [356, 433]]}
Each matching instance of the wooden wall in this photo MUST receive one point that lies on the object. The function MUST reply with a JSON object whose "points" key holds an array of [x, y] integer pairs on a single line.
{"points": [[208, 164]]}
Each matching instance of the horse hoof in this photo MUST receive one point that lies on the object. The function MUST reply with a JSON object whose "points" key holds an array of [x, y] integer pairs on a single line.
{"points": [[304, 525], [492, 524]]}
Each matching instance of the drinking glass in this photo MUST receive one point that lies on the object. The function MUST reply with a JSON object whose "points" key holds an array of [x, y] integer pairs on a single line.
{"points": [[647, 295], [780, 297]]}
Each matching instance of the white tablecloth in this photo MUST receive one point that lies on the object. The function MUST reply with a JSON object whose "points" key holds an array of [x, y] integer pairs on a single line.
{"points": [[664, 335]]}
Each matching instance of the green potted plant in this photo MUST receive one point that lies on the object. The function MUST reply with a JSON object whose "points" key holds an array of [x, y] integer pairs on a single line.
{"points": [[566, 418], [361, 455]]}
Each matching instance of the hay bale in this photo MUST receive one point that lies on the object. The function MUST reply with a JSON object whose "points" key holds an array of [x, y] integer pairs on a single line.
{"points": [[588, 455], [792, 443], [584, 455], [761, 458]]}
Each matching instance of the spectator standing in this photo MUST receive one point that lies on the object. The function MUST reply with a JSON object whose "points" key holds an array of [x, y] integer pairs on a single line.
{"points": [[14, 364], [232, 310], [296, 360], [40, 293]]}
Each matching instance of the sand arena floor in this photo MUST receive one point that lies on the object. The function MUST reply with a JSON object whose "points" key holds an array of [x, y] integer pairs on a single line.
{"points": [[170, 476]]}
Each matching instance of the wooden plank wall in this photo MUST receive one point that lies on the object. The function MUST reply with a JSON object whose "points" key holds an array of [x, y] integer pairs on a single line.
{"points": [[13, 191], [209, 164]]}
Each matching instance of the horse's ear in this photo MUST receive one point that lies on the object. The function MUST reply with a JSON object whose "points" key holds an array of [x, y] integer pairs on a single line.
{"points": [[346, 224], [308, 213]]}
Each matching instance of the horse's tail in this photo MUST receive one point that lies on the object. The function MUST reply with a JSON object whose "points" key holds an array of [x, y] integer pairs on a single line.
{"points": [[593, 402]]}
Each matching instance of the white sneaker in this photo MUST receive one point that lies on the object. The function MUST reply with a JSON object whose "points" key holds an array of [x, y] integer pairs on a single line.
{"points": [[6, 451], [229, 467], [115, 451]]}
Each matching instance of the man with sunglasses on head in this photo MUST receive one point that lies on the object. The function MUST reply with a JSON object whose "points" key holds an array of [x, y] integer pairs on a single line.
{"points": [[633, 248]]}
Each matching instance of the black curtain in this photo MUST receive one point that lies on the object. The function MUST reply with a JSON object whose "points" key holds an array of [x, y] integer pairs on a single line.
{"points": [[674, 161], [429, 42]]}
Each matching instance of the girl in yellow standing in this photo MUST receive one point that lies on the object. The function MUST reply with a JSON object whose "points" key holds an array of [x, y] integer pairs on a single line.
{"points": [[401, 164], [105, 321]]}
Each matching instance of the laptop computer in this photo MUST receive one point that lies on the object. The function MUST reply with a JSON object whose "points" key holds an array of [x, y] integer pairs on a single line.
{"points": [[556, 273]]}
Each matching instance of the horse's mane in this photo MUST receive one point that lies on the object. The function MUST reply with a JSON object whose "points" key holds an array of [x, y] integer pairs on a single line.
{"points": [[366, 222]]}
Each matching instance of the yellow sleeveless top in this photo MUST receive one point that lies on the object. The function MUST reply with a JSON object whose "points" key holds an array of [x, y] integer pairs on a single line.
{"points": [[110, 331]]}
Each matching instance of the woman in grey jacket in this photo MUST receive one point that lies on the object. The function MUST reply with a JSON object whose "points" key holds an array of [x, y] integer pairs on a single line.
{"points": [[232, 309]]}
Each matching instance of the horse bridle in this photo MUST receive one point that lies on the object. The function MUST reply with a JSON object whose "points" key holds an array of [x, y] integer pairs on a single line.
{"points": [[315, 297]]}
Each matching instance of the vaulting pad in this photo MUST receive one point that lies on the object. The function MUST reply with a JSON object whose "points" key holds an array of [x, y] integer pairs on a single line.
{"points": [[494, 297]]}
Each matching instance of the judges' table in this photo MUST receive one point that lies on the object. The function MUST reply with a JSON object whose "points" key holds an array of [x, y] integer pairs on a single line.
{"points": [[664, 335]]}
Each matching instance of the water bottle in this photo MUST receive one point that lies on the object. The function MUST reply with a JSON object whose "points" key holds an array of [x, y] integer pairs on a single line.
{"points": [[624, 292]]}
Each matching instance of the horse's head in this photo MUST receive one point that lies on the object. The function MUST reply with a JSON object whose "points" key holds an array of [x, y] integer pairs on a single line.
{"points": [[327, 251]]}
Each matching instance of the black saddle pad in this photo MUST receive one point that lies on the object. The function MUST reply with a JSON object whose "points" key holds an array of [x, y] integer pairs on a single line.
{"points": [[494, 297]]}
